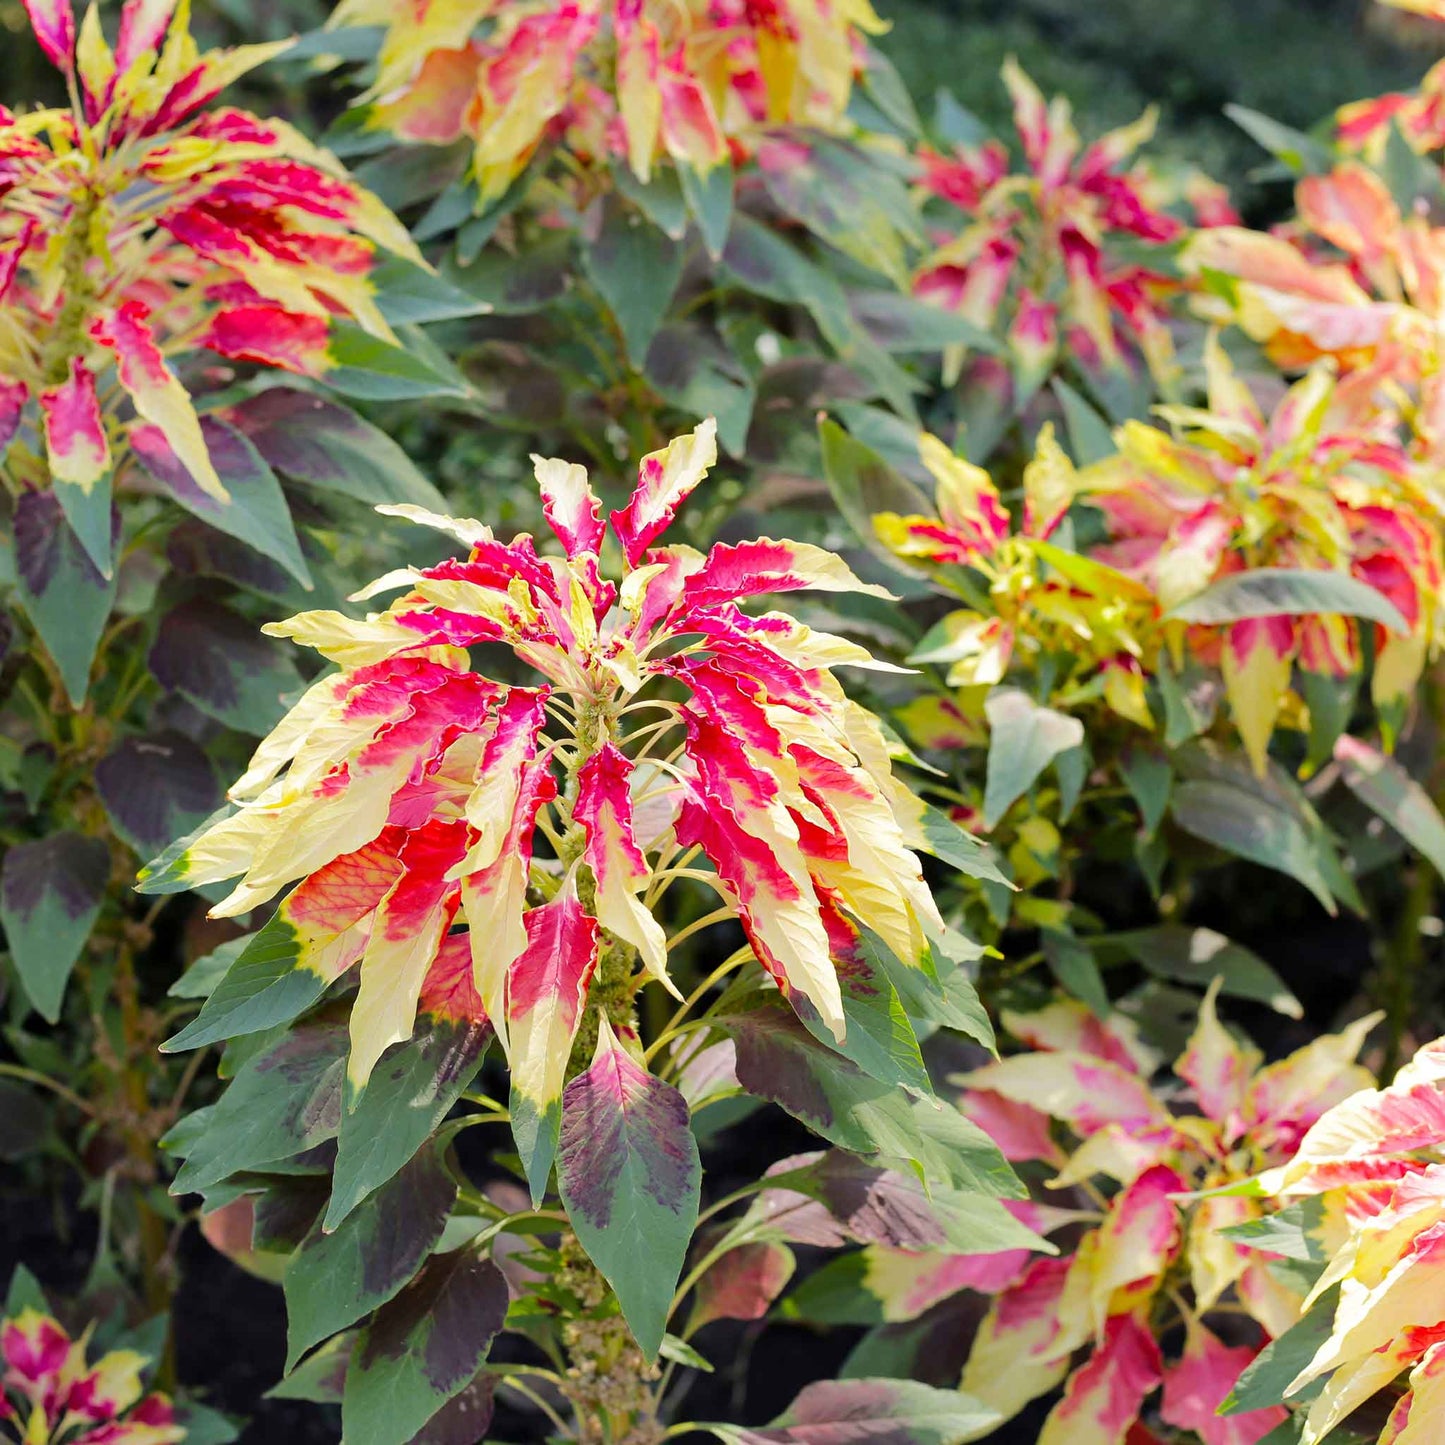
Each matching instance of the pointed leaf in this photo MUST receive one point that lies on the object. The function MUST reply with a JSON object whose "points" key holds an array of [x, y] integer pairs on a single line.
{"points": [[629, 1173], [778, 1059], [422, 1349], [1271, 591], [50, 896], [309, 439], [256, 512], [410, 1092], [283, 1101], [636, 269], [1388, 790], [365, 366], [1024, 739], [61, 590], [336, 1278]]}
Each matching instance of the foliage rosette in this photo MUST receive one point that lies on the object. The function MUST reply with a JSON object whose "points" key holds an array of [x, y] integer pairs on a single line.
{"points": [[631, 78], [671, 735], [141, 227], [1320, 484], [50, 1392], [1071, 255], [1157, 1165], [1363, 1195]]}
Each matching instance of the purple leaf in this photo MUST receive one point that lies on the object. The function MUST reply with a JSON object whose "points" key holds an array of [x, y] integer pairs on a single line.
{"points": [[334, 1279], [629, 1174], [256, 513], [155, 789], [50, 897], [870, 1412], [423, 1349], [61, 589], [221, 663], [312, 440]]}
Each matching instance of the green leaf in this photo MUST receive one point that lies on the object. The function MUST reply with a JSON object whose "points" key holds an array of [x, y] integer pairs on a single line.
{"points": [[1270, 1374], [1200, 955], [710, 200], [1331, 704], [263, 988], [1383, 786], [635, 268], [1294, 1231], [89, 512], [846, 196], [704, 380], [961, 850], [777, 1059], [365, 366], [893, 1412], [766, 264], [256, 513], [509, 285], [863, 483], [408, 293], [951, 1000], [204, 1426], [1073, 964], [1024, 739], [886, 89], [1090, 438], [879, 1037], [898, 322], [282, 1102], [660, 198], [334, 1279], [24, 1293], [201, 978], [1302, 153], [51, 892], [628, 1172], [1191, 700], [61, 590], [1149, 777], [422, 1349], [320, 1377], [411, 1090], [310, 439], [1266, 820], [1269, 591]]}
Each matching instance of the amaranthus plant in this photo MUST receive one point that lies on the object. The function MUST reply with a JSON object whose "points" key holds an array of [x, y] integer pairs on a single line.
{"points": [[1361, 1199], [1156, 1258], [1050, 256], [141, 226], [52, 1394], [149, 240], [647, 733], [694, 82]]}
